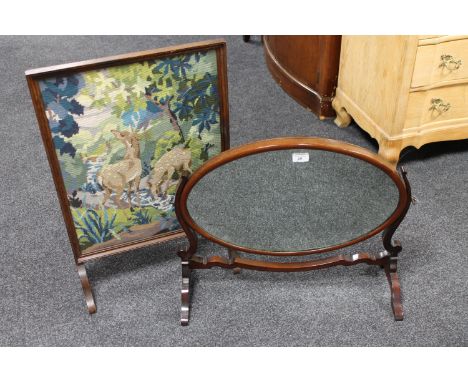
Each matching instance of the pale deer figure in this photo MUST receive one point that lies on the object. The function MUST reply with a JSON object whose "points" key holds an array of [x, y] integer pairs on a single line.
{"points": [[125, 173], [178, 159]]}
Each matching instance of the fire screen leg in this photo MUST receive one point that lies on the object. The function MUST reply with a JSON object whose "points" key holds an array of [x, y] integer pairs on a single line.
{"points": [[91, 305]]}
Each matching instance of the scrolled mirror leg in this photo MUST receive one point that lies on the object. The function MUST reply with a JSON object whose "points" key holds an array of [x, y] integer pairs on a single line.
{"points": [[88, 293], [394, 248], [185, 255]]}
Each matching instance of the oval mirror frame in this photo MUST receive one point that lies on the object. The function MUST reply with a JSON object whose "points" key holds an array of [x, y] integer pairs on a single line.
{"points": [[311, 143]]}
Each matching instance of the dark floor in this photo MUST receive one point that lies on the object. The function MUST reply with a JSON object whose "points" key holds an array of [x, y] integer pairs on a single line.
{"points": [[138, 293]]}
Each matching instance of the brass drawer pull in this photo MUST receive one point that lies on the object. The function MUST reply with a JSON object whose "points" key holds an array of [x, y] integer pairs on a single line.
{"points": [[448, 62], [438, 105]]}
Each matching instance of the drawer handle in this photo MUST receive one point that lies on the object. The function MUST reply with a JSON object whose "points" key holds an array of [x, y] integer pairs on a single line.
{"points": [[448, 62], [438, 105]]}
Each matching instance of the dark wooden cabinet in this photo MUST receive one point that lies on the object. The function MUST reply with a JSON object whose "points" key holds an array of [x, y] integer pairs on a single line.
{"points": [[306, 67]]}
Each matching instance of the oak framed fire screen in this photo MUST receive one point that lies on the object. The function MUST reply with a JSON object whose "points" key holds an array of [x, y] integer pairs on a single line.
{"points": [[120, 132]]}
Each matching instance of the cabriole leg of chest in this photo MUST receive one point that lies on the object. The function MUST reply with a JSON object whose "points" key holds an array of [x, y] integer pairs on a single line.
{"points": [[343, 119]]}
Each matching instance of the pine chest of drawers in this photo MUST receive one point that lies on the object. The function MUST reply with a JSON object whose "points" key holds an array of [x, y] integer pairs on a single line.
{"points": [[404, 90]]}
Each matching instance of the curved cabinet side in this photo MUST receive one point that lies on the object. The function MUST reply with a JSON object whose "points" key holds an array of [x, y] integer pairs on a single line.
{"points": [[306, 67]]}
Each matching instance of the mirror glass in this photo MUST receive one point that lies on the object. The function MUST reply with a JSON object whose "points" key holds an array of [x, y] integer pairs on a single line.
{"points": [[292, 200]]}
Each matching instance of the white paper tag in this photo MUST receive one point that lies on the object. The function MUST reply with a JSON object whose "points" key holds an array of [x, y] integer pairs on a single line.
{"points": [[300, 157]]}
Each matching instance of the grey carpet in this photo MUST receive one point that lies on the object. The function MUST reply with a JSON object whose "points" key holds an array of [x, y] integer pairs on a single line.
{"points": [[138, 293]]}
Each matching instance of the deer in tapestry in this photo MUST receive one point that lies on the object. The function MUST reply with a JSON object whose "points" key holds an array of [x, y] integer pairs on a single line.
{"points": [[124, 174], [177, 160]]}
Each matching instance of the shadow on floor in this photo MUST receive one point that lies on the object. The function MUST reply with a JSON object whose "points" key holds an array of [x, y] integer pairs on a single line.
{"points": [[433, 150]]}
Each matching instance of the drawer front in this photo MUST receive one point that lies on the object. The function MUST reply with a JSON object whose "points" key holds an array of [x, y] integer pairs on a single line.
{"points": [[439, 106], [437, 63]]}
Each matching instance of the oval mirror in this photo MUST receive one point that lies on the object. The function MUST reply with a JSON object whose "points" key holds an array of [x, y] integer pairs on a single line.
{"points": [[274, 200]]}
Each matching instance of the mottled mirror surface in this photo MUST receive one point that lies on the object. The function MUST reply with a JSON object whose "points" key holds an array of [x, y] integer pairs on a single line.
{"points": [[267, 201]]}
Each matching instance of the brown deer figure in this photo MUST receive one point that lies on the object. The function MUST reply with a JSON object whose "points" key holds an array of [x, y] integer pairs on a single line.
{"points": [[126, 172], [178, 159]]}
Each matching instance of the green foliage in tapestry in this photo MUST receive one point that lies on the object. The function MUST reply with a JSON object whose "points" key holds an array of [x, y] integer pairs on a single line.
{"points": [[164, 103]]}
